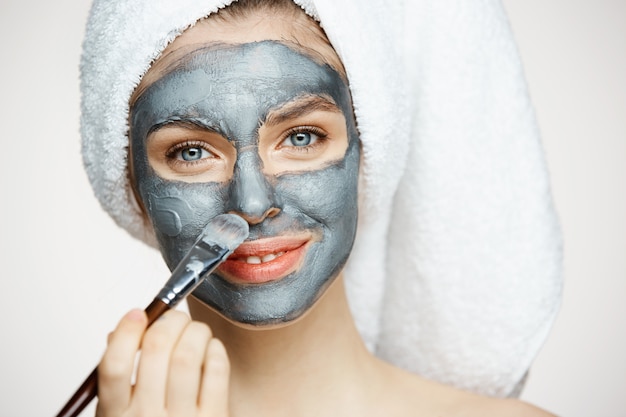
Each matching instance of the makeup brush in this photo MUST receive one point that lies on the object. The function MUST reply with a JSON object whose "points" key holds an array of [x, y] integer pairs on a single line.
{"points": [[220, 238]]}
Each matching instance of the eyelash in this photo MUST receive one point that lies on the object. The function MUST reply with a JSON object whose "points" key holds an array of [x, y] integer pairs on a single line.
{"points": [[172, 153], [322, 137]]}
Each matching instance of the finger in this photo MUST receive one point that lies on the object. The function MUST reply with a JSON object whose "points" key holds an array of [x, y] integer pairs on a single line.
{"points": [[186, 370], [156, 349], [118, 362], [215, 379]]}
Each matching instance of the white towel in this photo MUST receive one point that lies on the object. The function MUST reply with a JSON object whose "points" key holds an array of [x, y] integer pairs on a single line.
{"points": [[456, 270]]}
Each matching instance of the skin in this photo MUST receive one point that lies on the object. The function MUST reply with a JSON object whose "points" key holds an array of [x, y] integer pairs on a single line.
{"points": [[316, 365]]}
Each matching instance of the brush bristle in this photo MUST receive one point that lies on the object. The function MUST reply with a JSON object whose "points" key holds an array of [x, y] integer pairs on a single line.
{"points": [[226, 230]]}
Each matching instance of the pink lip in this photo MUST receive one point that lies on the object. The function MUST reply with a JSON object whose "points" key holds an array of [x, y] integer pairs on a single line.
{"points": [[237, 270]]}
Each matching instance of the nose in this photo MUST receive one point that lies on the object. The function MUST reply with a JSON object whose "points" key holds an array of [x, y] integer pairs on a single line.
{"points": [[251, 196]]}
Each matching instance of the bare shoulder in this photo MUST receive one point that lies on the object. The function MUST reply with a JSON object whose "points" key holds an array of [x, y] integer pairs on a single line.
{"points": [[464, 404], [416, 396], [485, 407]]}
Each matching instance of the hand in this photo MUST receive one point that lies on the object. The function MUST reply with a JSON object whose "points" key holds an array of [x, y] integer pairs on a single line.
{"points": [[182, 370]]}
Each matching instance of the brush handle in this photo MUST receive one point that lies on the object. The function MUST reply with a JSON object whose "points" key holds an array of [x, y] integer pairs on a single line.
{"points": [[89, 389]]}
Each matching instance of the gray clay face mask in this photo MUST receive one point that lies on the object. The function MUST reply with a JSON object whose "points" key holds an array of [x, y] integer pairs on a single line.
{"points": [[302, 222]]}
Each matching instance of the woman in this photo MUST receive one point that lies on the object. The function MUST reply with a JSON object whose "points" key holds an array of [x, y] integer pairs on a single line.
{"points": [[250, 111]]}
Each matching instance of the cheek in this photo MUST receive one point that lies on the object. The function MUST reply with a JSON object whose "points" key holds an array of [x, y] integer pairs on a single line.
{"points": [[328, 196], [179, 212], [180, 208]]}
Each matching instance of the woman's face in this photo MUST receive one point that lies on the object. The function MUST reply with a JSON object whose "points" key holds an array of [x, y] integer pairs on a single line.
{"points": [[263, 129]]}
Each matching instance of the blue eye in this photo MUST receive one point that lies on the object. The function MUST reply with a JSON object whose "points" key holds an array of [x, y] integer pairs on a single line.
{"points": [[302, 138], [193, 154]]}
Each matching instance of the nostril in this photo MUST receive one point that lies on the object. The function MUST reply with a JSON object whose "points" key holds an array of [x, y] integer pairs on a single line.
{"points": [[256, 219], [253, 206], [272, 212]]}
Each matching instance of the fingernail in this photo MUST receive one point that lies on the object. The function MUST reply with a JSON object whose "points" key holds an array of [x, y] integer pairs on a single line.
{"points": [[135, 315]]}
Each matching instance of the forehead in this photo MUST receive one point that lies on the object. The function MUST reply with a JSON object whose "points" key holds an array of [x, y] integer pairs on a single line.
{"points": [[248, 67], [299, 31], [262, 74]]}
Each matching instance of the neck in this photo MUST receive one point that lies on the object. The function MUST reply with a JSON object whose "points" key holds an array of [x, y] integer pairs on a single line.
{"points": [[321, 352]]}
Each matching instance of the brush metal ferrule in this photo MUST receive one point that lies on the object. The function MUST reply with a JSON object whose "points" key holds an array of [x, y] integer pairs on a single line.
{"points": [[201, 260]]}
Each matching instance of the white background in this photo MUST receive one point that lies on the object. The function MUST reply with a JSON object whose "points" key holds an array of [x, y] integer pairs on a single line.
{"points": [[69, 273]]}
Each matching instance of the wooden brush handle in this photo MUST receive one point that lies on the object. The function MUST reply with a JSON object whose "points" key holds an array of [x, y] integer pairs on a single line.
{"points": [[89, 389]]}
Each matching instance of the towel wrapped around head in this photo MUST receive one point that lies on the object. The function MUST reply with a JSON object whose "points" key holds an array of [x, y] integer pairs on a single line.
{"points": [[456, 270]]}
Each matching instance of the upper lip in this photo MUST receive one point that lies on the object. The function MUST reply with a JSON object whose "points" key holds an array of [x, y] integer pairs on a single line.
{"points": [[266, 246]]}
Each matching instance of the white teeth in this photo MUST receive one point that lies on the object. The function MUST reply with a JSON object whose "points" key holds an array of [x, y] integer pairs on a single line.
{"points": [[253, 260], [268, 257], [265, 258]]}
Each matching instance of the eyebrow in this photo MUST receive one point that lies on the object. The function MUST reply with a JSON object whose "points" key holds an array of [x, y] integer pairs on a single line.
{"points": [[190, 124], [300, 106]]}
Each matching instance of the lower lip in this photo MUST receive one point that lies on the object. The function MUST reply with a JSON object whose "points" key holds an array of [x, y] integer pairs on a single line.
{"points": [[242, 272]]}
